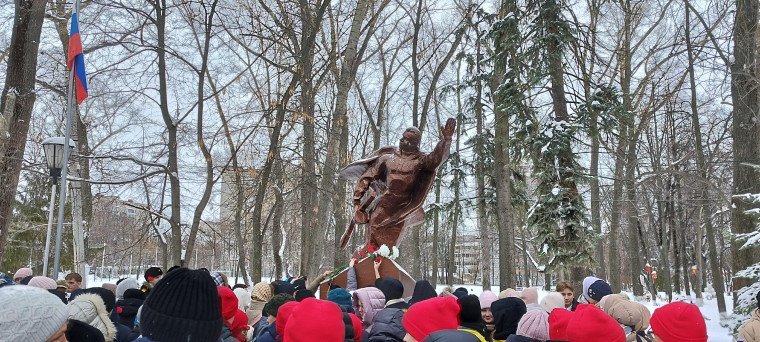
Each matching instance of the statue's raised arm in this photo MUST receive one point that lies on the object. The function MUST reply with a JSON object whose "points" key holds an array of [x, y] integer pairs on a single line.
{"points": [[392, 185]]}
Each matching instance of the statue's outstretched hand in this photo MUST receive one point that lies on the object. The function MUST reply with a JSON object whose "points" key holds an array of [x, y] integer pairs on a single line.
{"points": [[448, 130]]}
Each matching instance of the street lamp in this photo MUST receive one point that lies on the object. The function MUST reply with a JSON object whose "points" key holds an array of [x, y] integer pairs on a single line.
{"points": [[54, 149]]}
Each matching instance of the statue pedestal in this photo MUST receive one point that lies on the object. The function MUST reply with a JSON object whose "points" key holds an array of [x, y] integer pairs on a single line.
{"points": [[365, 276]]}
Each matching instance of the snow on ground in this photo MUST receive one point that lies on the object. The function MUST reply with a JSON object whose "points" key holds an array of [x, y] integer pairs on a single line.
{"points": [[709, 310]]}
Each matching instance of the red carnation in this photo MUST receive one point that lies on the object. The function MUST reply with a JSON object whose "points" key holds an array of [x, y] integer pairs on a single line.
{"points": [[362, 254], [119, 309], [150, 278], [377, 259]]}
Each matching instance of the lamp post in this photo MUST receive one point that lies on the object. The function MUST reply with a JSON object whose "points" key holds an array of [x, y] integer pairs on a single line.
{"points": [[54, 149]]}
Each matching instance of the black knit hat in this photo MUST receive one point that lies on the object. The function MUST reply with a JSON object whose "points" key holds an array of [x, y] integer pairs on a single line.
{"points": [[277, 301], [154, 272], [391, 287], [183, 306], [80, 331], [303, 294], [470, 309]]}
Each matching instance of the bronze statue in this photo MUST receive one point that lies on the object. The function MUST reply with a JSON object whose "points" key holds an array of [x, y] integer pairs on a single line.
{"points": [[392, 185]]}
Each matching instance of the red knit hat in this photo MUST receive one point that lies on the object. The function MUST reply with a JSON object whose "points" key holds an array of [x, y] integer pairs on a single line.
{"points": [[558, 320], [229, 303], [315, 320], [591, 324], [357, 324], [679, 321], [431, 315], [283, 314], [240, 326]]}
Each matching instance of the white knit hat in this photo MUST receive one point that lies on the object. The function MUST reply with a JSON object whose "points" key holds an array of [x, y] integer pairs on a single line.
{"points": [[124, 285], [552, 300], [30, 314]]}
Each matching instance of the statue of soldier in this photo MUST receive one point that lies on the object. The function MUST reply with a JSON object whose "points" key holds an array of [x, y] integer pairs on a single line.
{"points": [[392, 185]]}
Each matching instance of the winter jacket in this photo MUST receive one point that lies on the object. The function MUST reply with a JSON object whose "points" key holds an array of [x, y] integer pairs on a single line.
{"points": [[388, 326], [269, 334], [373, 301], [573, 305], [478, 331], [226, 335], [255, 312], [518, 338], [632, 316], [122, 332], [260, 326], [451, 336], [351, 283], [475, 333], [397, 304], [89, 308], [127, 310], [750, 331]]}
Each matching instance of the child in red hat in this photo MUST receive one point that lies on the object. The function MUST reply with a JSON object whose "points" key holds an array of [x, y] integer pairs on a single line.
{"points": [[429, 316], [678, 322]]}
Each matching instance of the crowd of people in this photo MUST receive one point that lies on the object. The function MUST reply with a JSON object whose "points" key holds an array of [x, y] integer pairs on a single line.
{"points": [[198, 305]]}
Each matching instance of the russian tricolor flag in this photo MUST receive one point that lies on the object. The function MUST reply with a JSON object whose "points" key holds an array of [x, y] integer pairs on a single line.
{"points": [[76, 60]]}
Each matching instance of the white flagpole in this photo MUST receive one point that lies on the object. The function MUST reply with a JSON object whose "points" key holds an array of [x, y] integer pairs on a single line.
{"points": [[65, 171]]}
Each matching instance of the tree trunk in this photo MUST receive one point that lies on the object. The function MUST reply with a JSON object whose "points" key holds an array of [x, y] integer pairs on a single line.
{"points": [[503, 172], [706, 209], [746, 146], [159, 6], [239, 189], [334, 192], [279, 209], [480, 174], [436, 234], [615, 215], [208, 186], [632, 211], [18, 99]]}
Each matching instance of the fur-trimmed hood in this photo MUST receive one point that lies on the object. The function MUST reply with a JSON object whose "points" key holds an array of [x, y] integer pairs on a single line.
{"points": [[89, 308]]}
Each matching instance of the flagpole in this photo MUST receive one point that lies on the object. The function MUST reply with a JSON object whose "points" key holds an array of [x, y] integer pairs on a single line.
{"points": [[65, 171]]}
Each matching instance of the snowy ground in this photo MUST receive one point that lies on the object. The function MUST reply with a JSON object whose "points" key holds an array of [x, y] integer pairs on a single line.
{"points": [[715, 332]]}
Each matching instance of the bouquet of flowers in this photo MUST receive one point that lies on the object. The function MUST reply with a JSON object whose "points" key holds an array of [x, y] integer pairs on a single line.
{"points": [[371, 252], [376, 254]]}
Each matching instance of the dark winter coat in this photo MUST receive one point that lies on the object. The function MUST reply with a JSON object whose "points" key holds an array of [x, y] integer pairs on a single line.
{"points": [[451, 336], [226, 335], [402, 305], [122, 332], [134, 334], [128, 306], [574, 305], [506, 314], [388, 326], [518, 338], [269, 334], [259, 326]]}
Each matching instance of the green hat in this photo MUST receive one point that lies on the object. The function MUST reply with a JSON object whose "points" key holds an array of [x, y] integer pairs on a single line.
{"points": [[277, 301]]}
